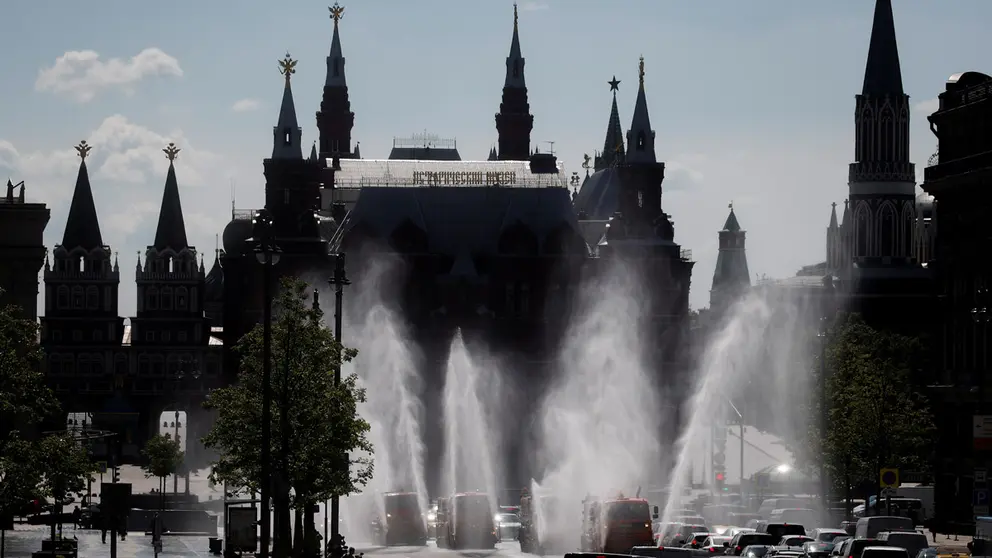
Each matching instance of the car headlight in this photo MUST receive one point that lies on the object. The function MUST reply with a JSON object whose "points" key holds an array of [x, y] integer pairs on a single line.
{"points": [[388, 515]]}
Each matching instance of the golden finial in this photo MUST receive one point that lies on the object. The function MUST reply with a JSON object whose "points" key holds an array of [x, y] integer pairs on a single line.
{"points": [[640, 71], [731, 205], [171, 151], [515, 17], [337, 12], [83, 149], [287, 66]]}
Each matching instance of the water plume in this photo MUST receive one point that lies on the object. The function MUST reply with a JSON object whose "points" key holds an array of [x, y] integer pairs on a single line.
{"points": [[755, 363], [599, 418], [472, 440], [386, 365]]}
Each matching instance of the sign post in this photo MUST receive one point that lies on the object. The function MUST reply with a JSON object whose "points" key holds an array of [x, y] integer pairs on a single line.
{"points": [[980, 501]]}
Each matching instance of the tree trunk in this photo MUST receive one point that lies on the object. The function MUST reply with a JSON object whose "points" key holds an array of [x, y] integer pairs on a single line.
{"points": [[310, 542], [298, 531]]}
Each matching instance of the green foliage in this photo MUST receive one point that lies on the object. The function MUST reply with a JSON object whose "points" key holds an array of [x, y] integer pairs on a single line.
{"points": [[20, 472], [323, 418], [66, 466], [24, 397], [876, 416], [163, 455]]}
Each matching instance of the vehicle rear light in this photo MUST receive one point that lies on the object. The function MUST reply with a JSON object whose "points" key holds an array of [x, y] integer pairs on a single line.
{"points": [[712, 549], [737, 548]]}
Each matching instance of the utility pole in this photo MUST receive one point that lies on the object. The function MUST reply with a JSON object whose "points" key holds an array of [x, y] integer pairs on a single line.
{"points": [[316, 307], [339, 280], [284, 539]]}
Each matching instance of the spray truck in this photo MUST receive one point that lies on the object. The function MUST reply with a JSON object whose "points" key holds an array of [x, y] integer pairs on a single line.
{"points": [[616, 525], [539, 515], [465, 520], [403, 522]]}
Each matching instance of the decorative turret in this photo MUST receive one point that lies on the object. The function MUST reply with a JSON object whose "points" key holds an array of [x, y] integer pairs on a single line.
{"points": [[640, 137], [287, 135], [292, 184], [514, 121], [613, 149], [335, 119], [170, 283], [882, 180], [82, 282], [731, 277]]}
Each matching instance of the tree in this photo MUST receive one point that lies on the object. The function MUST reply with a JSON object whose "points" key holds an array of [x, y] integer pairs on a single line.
{"points": [[322, 417], [25, 399], [876, 417], [67, 466], [21, 476], [163, 455]]}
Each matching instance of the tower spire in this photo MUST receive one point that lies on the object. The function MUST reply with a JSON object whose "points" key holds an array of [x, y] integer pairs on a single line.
{"points": [[731, 277], [82, 227], [335, 60], [287, 133], [613, 148], [882, 72], [515, 61], [171, 230], [640, 137]]}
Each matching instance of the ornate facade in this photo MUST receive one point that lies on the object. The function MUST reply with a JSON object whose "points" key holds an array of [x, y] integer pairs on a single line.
{"points": [[125, 376], [22, 249]]}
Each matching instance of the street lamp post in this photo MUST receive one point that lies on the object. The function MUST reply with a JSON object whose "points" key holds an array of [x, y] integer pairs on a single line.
{"points": [[190, 369], [824, 415], [740, 423], [267, 254], [339, 280]]}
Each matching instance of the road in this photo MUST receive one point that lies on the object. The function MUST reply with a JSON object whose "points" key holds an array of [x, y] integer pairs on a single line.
{"points": [[26, 539]]}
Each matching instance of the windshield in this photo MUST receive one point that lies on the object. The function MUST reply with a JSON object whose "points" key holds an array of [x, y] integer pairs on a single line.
{"points": [[402, 504], [778, 530], [628, 511], [507, 518]]}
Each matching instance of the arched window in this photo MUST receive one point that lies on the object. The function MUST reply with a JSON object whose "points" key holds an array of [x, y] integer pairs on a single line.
{"points": [[96, 363], [84, 365], [887, 231], [92, 298], [151, 299], [641, 141], [78, 299], [862, 230], [62, 297], [181, 298], [166, 302]]}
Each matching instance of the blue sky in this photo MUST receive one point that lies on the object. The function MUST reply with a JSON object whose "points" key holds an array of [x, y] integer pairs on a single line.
{"points": [[752, 101]]}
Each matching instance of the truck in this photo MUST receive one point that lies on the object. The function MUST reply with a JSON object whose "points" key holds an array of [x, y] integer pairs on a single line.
{"points": [[465, 520], [402, 522], [539, 515], [616, 525]]}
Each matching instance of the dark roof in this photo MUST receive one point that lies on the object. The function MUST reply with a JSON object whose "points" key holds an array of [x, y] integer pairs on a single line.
{"points": [[82, 228], [613, 148], [462, 221], [235, 234], [732, 225], [882, 72], [214, 282], [171, 230], [425, 154], [598, 196]]}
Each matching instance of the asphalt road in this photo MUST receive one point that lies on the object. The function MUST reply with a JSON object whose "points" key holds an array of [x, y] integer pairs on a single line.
{"points": [[26, 539]]}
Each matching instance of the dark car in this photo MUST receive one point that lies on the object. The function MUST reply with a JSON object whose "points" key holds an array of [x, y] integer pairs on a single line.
{"points": [[780, 530], [852, 548], [743, 540]]}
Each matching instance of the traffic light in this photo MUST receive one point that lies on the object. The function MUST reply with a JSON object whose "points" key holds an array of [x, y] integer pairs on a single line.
{"points": [[721, 479]]}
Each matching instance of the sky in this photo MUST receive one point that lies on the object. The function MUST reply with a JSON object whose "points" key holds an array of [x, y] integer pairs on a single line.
{"points": [[752, 102]]}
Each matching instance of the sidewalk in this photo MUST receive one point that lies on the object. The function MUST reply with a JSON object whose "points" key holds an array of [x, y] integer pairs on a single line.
{"points": [[950, 546], [25, 539]]}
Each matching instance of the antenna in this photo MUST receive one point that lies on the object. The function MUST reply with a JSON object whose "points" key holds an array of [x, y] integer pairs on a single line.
{"points": [[232, 198]]}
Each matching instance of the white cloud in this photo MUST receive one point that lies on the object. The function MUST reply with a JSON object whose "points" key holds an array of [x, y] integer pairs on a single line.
{"points": [[81, 75], [929, 106], [245, 105], [534, 6]]}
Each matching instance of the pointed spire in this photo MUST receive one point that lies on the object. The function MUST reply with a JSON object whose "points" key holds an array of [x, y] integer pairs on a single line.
{"points": [[846, 218], [640, 137], [313, 152], [515, 61], [358, 153], [613, 148], [882, 73], [731, 224], [287, 133], [335, 60], [171, 230], [82, 228], [833, 215]]}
